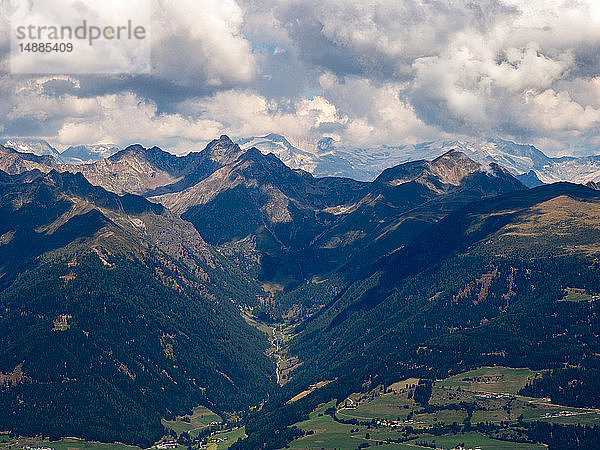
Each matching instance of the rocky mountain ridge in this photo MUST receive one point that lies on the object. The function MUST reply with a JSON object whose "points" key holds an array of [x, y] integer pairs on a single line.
{"points": [[329, 158]]}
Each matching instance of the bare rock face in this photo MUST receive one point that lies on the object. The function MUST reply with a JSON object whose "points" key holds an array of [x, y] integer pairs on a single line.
{"points": [[14, 162], [223, 151], [131, 170], [38, 147], [452, 167], [142, 171], [440, 175]]}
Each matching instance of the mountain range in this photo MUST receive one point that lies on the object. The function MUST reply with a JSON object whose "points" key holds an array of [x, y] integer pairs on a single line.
{"points": [[77, 154], [137, 286], [525, 161], [296, 222], [327, 158]]}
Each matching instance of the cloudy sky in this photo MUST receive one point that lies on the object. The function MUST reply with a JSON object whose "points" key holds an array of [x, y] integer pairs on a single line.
{"points": [[364, 72]]}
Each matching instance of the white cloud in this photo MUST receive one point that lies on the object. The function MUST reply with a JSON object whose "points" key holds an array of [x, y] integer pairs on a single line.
{"points": [[201, 42], [112, 116], [445, 67], [245, 114], [557, 113], [37, 19], [367, 73], [377, 114]]}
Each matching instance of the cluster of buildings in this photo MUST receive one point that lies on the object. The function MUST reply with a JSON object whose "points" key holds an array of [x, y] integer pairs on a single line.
{"points": [[166, 444], [493, 395]]}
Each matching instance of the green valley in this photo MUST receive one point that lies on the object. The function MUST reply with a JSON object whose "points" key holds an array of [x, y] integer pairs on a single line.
{"points": [[481, 408]]}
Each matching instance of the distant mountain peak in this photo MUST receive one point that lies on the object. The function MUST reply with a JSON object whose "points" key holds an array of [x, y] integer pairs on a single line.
{"points": [[453, 166], [275, 137], [455, 155], [38, 147], [65, 179], [86, 154], [223, 150], [253, 153], [530, 179], [448, 169], [135, 149], [13, 161]]}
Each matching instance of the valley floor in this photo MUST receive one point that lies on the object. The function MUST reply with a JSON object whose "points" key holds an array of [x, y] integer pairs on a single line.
{"points": [[479, 409]]}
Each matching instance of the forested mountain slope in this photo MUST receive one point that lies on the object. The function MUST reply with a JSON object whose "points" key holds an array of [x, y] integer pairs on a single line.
{"points": [[106, 324]]}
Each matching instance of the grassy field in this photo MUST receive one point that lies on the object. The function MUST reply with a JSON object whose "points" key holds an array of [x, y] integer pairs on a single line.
{"points": [[548, 412], [389, 407], [401, 386], [489, 394], [230, 436], [576, 295], [200, 419], [330, 434], [473, 440], [491, 389], [327, 433], [491, 379], [583, 419], [67, 444]]}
